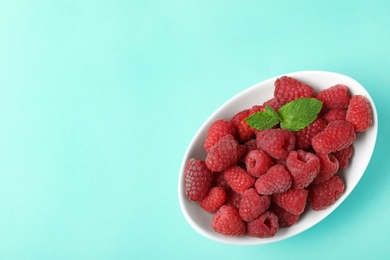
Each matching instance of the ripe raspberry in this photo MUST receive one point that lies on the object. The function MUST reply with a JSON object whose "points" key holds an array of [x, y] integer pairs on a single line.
{"points": [[266, 225], [359, 113], [288, 89], [233, 199], [228, 222], [252, 205], [276, 180], [336, 136], [337, 96], [335, 114], [276, 142], [238, 179], [305, 135], [258, 162], [294, 201], [329, 167], [303, 166], [244, 131], [325, 194], [256, 108], [249, 146], [219, 181], [343, 156], [226, 152], [272, 103], [216, 131], [286, 219], [197, 179], [213, 200]]}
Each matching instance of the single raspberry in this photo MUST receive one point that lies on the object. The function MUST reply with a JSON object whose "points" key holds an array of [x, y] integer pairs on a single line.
{"points": [[238, 179], [233, 199], [343, 156], [286, 219], [266, 225], [244, 131], [228, 222], [305, 135], [329, 167], [252, 205], [294, 201], [359, 113], [288, 89], [213, 200], [303, 166], [258, 162], [325, 194], [219, 181], [249, 146], [256, 108], [276, 142], [336, 136], [226, 152], [197, 179], [337, 96], [276, 180], [216, 131], [335, 114], [272, 103]]}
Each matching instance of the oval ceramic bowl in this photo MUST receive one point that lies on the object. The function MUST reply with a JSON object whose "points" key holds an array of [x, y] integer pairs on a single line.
{"points": [[200, 220]]}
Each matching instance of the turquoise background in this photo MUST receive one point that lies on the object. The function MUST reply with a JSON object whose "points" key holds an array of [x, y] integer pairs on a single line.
{"points": [[100, 99]]}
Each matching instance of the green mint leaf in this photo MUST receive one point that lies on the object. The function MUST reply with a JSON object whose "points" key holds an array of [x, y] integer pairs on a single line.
{"points": [[299, 113], [264, 119]]}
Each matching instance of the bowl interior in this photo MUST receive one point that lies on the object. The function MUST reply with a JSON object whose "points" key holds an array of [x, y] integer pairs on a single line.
{"points": [[200, 220]]}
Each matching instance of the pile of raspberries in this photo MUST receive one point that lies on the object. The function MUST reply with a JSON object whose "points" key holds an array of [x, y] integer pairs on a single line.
{"points": [[255, 182]]}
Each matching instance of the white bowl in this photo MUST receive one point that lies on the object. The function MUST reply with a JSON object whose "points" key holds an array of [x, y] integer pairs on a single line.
{"points": [[200, 220]]}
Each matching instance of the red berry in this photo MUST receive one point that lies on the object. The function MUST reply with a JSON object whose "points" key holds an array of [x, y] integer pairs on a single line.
{"points": [[337, 96], [252, 205], [273, 103], [258, 162], [213, 200], [359, 113], [336, 136], [276, 180], [216, 131], [226, 152], [335, 114], [343, 156], [305, 135], [286, 219], [219, 181], [238, 179], [266, 225], [276, 142], [325, 194], [249, 146], [329, 167], [197, 179], [303, 166], [255, 109], [288, 89], [294, 201], [228, 222], [244, 131], [233, 199]]}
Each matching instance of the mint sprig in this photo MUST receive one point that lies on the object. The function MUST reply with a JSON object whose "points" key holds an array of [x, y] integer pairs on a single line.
{"points": [[292, 116], [265, 119]]}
